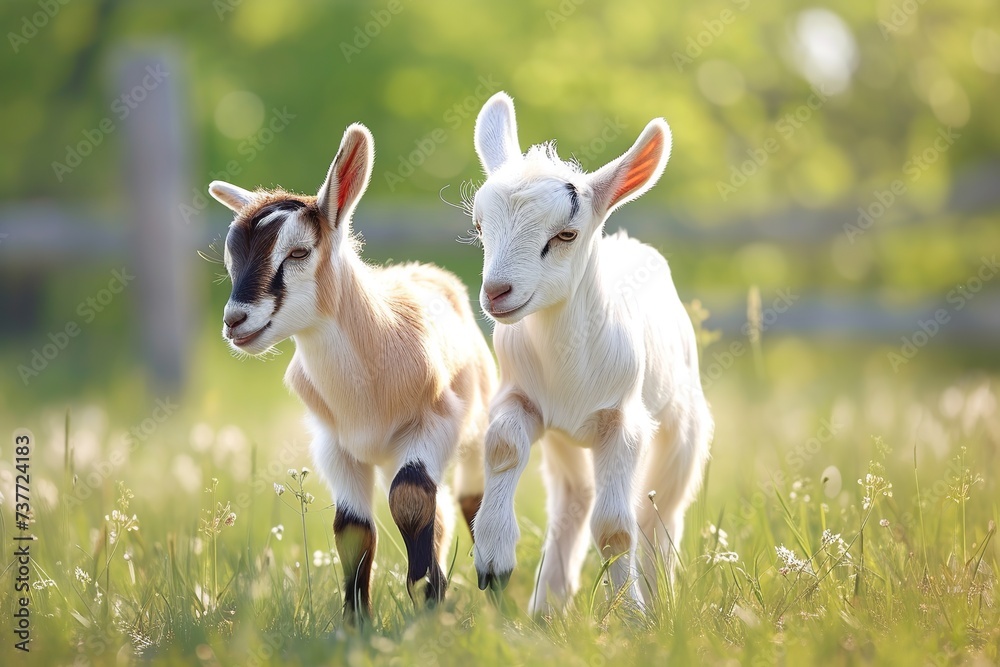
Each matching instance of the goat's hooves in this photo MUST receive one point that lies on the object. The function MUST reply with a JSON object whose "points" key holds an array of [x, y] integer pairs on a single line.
{"points": [[496, 581]]}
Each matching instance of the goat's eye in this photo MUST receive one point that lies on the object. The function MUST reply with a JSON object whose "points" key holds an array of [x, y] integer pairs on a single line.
{"points": [[566, 235], [479, 227], [299, 253]]}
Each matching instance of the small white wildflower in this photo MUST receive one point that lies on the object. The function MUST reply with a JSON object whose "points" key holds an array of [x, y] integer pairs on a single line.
{"points": [[98, 597], [293, 473], [884, 523], [829, 540], [279, 488], [791, 560], [231, 519], [652, 495], [723, 557], [305, 473], [82, 577], [721, 536], [278, 532]]}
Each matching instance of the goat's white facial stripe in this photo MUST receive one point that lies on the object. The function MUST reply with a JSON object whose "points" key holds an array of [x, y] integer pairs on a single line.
{"points": [[277, 215], [294, 233]]}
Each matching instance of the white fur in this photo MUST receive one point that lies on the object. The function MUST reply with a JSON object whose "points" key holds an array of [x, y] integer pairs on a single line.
{"points": [[602, 356]]}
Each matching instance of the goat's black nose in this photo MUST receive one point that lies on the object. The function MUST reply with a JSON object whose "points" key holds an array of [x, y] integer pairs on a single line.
{"points": [[234, 319]]}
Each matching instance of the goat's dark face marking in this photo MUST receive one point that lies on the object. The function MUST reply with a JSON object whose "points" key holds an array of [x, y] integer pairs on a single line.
{"points": [[282, 249], [250, 246], [272, 255]]}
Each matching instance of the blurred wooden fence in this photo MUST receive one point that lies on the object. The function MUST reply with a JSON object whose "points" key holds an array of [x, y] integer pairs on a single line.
{"points": [[159, 246]]}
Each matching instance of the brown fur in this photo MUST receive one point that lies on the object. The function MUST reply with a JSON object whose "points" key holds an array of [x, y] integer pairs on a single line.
{"points": [[298, 381], [412, 506], [470, 507], [614, 543], [382, 310], [500, 456], [609, 423], [356, 545], [408, 347]]}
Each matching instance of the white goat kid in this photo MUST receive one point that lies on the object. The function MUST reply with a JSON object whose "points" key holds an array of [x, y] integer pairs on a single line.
{"points": [[596, 351], [389, 361]]}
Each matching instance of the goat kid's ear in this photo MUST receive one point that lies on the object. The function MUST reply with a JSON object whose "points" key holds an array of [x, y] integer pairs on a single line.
{"points": [[496, 133], [635, 172], [232, 196], [349, 174]]}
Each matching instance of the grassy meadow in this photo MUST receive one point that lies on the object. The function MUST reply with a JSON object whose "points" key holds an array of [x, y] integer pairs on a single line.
{"points": [[848, 517]]}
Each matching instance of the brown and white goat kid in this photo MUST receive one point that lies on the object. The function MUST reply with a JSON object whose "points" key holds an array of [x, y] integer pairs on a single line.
{"points": [[596, 351], [389, 361]]}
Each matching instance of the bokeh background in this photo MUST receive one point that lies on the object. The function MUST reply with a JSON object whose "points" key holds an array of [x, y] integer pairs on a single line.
{"points": [[786, 118], [834, 181]]}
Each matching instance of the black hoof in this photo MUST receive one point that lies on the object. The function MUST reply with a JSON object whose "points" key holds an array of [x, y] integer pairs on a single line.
{"points": [[493, 581]]}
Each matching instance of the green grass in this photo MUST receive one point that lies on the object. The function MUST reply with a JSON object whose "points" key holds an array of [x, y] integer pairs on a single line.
{"points": [[911, 579]]}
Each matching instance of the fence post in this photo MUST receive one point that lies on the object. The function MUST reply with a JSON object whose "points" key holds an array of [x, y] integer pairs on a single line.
{"points": [[161, 251]]}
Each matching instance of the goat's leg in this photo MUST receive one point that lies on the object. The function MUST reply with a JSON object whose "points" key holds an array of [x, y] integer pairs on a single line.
{"points": [[353, 485], [620, 439], [515, 423], [569, 485], [674, 471], [421, 509], [469, 473], [469, 481], [413, 503]]}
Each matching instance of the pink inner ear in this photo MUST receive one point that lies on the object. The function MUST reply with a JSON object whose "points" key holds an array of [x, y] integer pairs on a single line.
{"points": [[640, 168], [347, 177]]}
